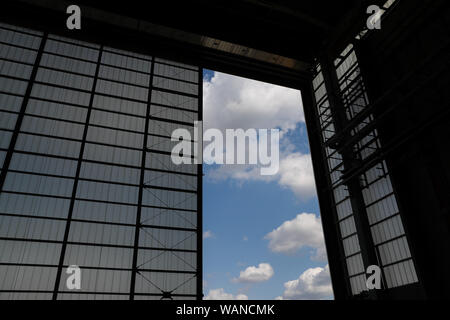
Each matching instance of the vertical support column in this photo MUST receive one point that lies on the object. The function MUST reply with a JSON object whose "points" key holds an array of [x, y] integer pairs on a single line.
{"points": [[21, 115], [134, 270], [200, 193], [75, 183], [335, 253], [350, 160]]}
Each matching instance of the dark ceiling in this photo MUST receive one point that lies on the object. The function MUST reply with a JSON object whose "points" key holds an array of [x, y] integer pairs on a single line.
{"points": [[296, 29], [273, 41]]}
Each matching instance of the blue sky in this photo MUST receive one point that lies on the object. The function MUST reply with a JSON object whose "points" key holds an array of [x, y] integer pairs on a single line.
{"points": [[263, 237]]}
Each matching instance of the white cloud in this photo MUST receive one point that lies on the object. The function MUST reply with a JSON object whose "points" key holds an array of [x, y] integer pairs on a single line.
{"points": [[208, 234], [305, 230], [234, 102], [220, 294], [252, 274], [313, 284], [295, 173]]}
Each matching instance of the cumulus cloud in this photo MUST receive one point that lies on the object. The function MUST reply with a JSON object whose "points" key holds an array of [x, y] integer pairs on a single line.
{"points": [[220, 294], [295, 173], [234, 102], [305, 230], [313, 284], [208, 234], [252, 274]]}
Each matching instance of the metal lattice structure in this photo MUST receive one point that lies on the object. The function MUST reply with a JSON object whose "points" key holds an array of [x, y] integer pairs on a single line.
{"points": [[376, 110], [366, 211], [87, 177]]}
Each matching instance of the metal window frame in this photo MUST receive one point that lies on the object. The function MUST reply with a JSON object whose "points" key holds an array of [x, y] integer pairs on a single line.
{"points": [[83, 141]]}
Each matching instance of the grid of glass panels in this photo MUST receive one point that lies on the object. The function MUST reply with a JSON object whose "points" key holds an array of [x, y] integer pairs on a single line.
{"points": [[382, 210], [343, 207], [81, 187], [383, 214]]}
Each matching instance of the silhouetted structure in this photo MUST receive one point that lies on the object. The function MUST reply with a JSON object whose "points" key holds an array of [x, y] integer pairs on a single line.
{"points": [[375, 102]]}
